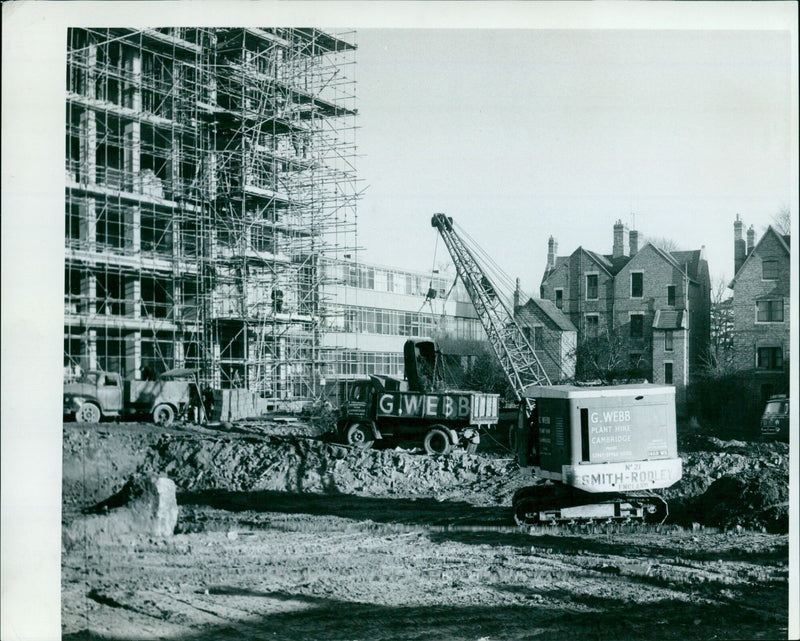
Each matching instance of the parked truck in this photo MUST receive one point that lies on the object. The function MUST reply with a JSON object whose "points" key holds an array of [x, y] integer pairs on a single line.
{"points": [[98, 394], [384, 407]]}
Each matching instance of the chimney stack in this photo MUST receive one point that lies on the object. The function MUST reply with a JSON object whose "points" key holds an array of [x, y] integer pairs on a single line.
{"points": [[739, 247], [633, 241], [751, 239], [619, 240], [552, 250], [516, 296]]}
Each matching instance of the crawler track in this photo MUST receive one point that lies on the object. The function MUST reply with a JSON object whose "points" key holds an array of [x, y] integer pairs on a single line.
{"points": [[549, 503]]}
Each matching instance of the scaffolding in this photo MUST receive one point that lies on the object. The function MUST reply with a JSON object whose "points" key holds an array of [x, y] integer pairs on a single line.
{"points": [[210, 174]]}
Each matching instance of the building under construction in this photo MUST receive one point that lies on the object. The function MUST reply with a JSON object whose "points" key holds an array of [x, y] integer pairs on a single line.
{"points": [[209, 175]]}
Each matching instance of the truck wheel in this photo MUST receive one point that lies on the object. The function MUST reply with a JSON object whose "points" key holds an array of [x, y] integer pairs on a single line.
{"points": [[88, 413], [437, 442], [163, 415], [359, 435]]}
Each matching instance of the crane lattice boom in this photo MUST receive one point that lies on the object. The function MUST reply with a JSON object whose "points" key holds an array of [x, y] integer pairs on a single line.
{"points": [[517, 357]]}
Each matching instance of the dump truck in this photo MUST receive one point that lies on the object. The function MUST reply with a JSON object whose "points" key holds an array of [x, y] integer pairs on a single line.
{"points": [[385, 407], [592, 453], [98, 394]]}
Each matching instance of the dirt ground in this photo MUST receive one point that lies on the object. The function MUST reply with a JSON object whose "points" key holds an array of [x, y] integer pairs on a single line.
{"points": [[284, 535]]}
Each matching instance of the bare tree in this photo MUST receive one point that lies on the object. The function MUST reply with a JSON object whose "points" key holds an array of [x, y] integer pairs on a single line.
{"points": [[718, 359], [607, 357], [663, 243], [782, 221]]}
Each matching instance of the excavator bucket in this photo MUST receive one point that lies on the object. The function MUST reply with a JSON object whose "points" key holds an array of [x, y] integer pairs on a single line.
{"points": [[420, 364]]}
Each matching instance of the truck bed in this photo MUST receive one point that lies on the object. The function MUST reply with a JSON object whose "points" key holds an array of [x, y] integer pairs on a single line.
{"points": [[147, 394], [470, 408]]}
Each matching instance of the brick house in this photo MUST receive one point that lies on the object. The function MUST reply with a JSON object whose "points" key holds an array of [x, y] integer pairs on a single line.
{"points": [[551, 334], [761, 303], [657, 303]]}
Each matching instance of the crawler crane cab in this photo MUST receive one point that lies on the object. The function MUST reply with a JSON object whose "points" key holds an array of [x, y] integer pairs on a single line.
{"points": [[594, 453], [599, 453]]}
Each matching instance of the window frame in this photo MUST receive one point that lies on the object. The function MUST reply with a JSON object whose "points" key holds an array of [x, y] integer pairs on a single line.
{"points": [[669, 340], [773, 364], [596, 276], [669, 366], [771, 302], [639, 273], [771, 261], [674, 290], [630, 321], [556, 292], [596, 333]]}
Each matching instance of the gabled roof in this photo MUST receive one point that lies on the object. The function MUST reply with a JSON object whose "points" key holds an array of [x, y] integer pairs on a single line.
{"points": [[600, 259], [670, 319], [664, 254], [783, 241], [685, 261], [548, 309], [690, 260], [682, 260], [560, 261], [617, 263]]}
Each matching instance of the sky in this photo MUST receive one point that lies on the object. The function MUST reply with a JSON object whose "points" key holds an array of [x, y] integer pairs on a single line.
{"points": [[523, 134]]}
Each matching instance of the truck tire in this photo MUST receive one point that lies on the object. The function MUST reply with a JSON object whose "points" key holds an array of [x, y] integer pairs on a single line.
{"points": [[88, 413], [163, 415], [360, 435], [437, 442]]}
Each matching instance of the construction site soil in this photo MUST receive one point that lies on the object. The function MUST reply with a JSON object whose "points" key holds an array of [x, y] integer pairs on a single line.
{"points": [[283, 533]]}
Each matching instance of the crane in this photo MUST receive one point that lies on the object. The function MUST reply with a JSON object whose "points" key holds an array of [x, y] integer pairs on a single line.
{"points": [[598, 453], [517, 357]]}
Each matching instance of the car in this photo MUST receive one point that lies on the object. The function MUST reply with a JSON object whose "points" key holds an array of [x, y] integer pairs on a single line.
{"points": [[775, 419]]}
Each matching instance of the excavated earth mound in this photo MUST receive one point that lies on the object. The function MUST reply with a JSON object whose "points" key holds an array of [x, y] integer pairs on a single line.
{"points": [[306, 465], [732, 483], [724, 484]]}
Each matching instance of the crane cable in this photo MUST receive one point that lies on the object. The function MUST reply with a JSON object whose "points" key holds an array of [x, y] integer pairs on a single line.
{"points": [[506, 280]]}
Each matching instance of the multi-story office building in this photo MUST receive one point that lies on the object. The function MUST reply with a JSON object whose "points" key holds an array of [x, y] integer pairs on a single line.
{"points": [[375, 309]]}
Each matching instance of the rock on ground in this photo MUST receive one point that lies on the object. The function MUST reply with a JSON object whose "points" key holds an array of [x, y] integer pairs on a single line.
{"points": [[145, 505]]}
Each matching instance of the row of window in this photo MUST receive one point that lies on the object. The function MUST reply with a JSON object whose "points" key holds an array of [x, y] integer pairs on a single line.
{"points": [[768, 311], [636, 289], [365, 363], [364, 320], [593, 325], [385, 280], [112, 225]]}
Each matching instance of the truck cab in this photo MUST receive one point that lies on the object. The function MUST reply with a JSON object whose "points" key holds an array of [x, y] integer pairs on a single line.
{"points": [[360, 400], [99, 394], [95, 395]]}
